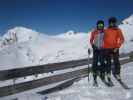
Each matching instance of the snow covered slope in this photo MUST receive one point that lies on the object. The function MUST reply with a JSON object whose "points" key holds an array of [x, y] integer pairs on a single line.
{"points": [[83, 90], [18, 35], [127, 28], [23, 47], [33, 48]]}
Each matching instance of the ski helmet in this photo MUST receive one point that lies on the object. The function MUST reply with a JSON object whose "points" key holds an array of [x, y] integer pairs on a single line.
{"points": [[112, 20], [100, 24]]}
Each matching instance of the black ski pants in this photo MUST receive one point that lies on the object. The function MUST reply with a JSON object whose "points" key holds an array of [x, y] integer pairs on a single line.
{"points": [[98, 62], [109, 55]]}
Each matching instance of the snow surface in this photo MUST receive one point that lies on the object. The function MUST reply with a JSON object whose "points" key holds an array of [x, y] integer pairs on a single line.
{"points": [[83, 90], [42, 49], [22, 47]]}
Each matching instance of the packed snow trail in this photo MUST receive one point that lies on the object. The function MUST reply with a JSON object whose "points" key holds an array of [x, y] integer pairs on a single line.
{"points": [[84, 91]]}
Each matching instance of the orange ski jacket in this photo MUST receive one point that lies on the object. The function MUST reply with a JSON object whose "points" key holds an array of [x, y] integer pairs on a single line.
{"points": [[113, 38]]}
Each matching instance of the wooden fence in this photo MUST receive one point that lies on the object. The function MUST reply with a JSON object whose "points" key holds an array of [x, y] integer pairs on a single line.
{"points": [[39, 69]]}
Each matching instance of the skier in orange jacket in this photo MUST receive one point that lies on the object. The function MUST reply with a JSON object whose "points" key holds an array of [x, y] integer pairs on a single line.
{"points": [[113, 40]]}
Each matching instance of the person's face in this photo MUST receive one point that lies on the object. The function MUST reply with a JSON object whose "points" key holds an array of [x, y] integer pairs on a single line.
{"points": [[100, 26], [112, 24]]}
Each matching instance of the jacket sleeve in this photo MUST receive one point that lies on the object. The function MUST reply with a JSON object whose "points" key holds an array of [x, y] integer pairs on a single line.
{"points": [[92, 38], [120, 38]]}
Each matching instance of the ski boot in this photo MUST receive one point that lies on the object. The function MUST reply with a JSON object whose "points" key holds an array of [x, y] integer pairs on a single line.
{"points": [[109, 80], [102, 76], [95, 84], [117, 76]]}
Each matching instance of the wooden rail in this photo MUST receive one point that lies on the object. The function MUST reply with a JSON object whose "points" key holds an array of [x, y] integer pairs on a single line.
{"points": [[21, 87], [39, 69]]}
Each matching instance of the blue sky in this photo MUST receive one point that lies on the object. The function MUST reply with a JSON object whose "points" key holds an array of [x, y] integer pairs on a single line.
{"points": [[58, 16]]}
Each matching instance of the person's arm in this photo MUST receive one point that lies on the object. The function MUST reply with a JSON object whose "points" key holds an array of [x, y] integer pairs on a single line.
{"points": [[120, 38], [92, 38]]}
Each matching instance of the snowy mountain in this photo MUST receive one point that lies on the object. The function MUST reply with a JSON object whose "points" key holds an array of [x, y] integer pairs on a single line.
{"points": [[127, 28], [19, 34], [26, 47], [128, 21], [71, 34], [21, 47]]}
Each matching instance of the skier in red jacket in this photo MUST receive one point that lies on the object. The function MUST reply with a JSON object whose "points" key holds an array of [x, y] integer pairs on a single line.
{"points": [[96, 41]]}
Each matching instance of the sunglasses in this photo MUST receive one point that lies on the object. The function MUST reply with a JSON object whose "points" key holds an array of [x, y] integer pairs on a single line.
{"points": [[100, 25]]}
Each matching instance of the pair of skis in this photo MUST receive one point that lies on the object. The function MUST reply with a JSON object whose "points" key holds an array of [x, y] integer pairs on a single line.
{"points": [[123, 84], [111, 84]]}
